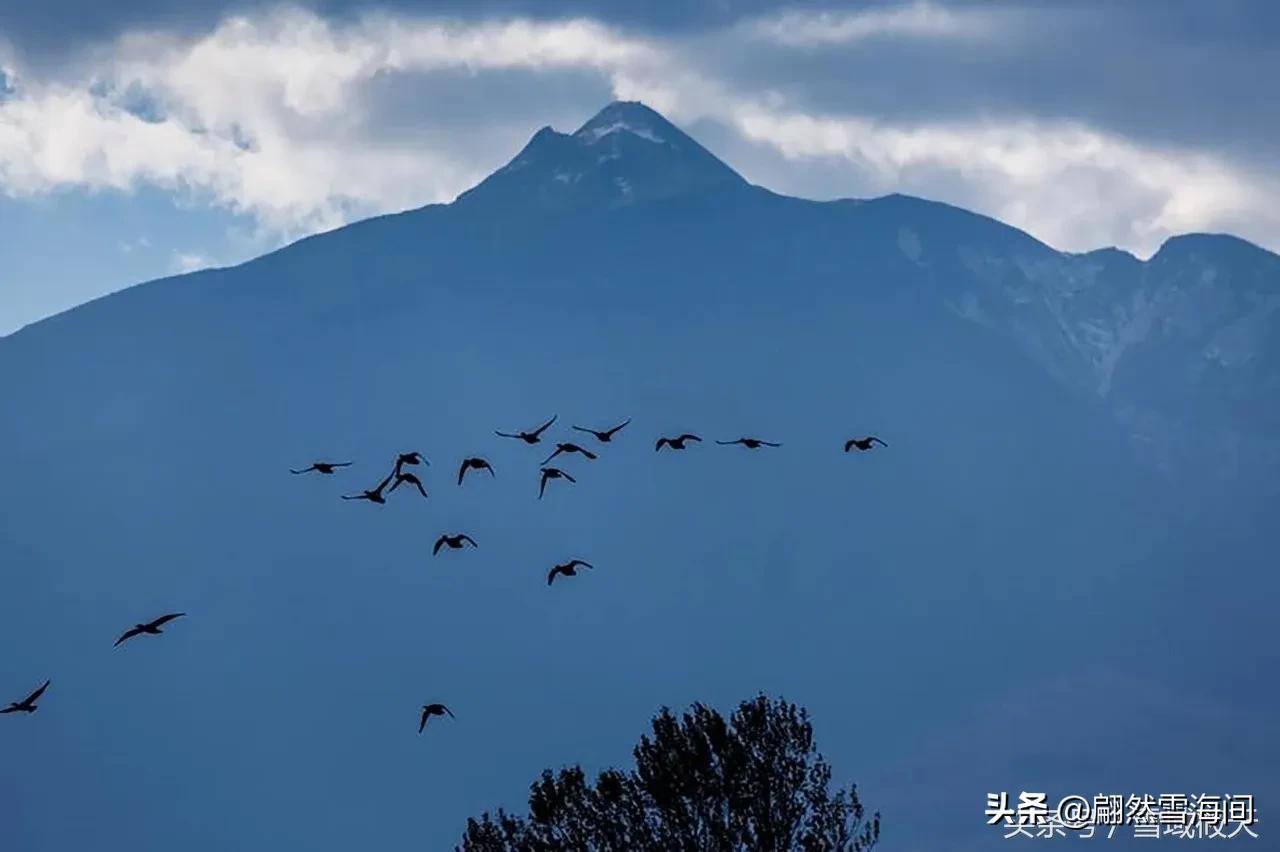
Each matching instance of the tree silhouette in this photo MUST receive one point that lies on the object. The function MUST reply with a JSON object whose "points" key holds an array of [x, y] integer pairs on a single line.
{"points": [[700, 784]]}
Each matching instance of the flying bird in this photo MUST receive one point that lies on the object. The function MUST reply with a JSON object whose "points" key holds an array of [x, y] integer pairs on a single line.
{"points": [[321, 467], [863, 443], [529, 437], [453, 542], [408, 479], [151, 627], [552, 473], [28, 704], [413, 458], [570, 448], [749, 443], [675, 443], [473, 464], [429, 710], [375, 495], [607, 435], [568, 569]]}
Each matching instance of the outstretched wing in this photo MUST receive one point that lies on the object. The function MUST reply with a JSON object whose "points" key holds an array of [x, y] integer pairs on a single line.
{"points": [[551, 575], [165, 619], [470, 540], [615, 429], [688, 437], [542, 486], [304, 470], [439, 544], [728, 443], [504, 434], [553, 455], [426, 714], [567, 476], [770, 444], [587, 453], [447, 710], [462, 471], [583, 564], [878, 441], [128, 634], [661, 441], [849, 444], [35, 696], [545, 426], [588, 431]]}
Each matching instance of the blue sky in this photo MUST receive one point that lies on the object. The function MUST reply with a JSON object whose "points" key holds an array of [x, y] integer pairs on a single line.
{"points": [[139, 139]]}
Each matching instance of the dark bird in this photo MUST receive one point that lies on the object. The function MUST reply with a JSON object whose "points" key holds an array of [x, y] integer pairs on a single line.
{"points": [[863, 443], [28, 704], [749, 443], [408, 479], [321, 467], [568, 569], [473, 464], [529, 437], [375, 495], [414, 458], [569, 448], [453, 542], [151, 627], [675, 443], [429, 710], [552, 473], [607, 435]]}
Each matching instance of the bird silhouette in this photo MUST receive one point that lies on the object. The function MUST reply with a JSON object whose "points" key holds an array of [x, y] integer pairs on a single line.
{"points": [[568, 569], [863, 443], [151, 627], [569, 448], [414, 458], [28, 704], [675, 443], [552, 473], [607, 435], [408, 479], [375, 495], [453, 542], [429, 710], [474, 464], [529, 437], [749, 443], [321, 467]]}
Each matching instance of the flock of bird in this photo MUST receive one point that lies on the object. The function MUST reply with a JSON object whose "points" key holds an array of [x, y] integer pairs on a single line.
{"points": [[398, 476]]}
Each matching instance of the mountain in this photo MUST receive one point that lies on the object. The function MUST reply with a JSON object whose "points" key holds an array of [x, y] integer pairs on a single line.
{"points": [[1076, 491]]}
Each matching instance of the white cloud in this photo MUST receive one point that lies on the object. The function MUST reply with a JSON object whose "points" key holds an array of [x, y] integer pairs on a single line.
{"points": [[189, 261], [798, 28], [271, 115]]}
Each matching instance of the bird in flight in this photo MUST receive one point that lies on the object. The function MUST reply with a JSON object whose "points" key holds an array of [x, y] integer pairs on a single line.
{"points": [[429, 710], [453, 542], [529, 437], [570, 448], [607, 435], [410, 458], [321, 467], [28, 704], [863, 443], [568, 569], [675, 443], [151, 627], [375, 495], [408, 479], [552, 473], [474, 464], [749, 443]]}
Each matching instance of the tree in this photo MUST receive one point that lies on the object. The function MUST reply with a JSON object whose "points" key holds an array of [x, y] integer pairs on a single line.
{"points": [[700, 784]]}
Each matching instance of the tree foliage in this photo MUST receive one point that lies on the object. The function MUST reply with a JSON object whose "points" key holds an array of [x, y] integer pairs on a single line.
{"points": [[701, 783]]}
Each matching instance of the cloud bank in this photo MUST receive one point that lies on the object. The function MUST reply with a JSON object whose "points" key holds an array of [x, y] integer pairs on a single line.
{"points": [[304, 123]]}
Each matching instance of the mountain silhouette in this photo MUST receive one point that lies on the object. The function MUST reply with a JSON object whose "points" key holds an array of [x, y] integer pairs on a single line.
{"points": [[1081, 477]]}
